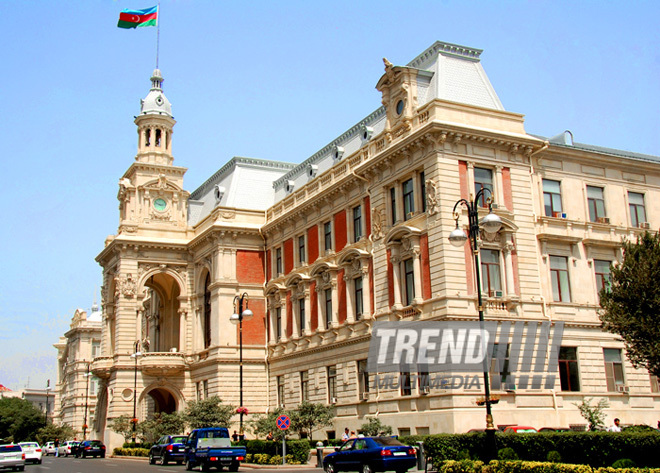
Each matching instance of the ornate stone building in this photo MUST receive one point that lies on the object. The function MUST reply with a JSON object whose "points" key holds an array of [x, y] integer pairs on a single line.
{"points": [[358, 233]]}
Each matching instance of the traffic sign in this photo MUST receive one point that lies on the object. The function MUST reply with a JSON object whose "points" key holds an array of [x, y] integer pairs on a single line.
{"points": [[283, 422]]}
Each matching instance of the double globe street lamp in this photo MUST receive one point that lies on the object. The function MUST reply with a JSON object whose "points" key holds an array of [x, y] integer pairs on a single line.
{"points": [[237, 318], [490, 224]]}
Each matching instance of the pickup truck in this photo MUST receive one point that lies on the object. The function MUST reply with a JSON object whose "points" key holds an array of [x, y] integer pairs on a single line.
{"points": [[210, 447]]}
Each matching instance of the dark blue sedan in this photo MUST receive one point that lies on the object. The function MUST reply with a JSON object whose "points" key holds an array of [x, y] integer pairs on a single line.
{"points": [[371, 454], [168, 448]]}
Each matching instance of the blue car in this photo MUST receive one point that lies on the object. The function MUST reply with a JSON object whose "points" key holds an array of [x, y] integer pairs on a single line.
{"points": [[168, 448], [371, 454]]}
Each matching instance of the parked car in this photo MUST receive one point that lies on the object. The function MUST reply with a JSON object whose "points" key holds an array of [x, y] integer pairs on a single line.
{"points": [[554, 429], [68, 448], [168, 448], [520, 429], [90, 448], [371, 454], [32, 452], [211, 447], [48, 449], [12, 456]]}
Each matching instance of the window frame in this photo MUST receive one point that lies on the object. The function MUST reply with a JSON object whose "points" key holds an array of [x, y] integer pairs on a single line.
{"points": [[304, 386], [357, 223], [328, 308], [279, 268], [331, 380], [553, 198], [302, 249], [611, 370], [479, 184], [488, 270], [393, 212], [569, 370], [358, 297], [405, 388], [327, 235], [301, 316], [408, 280], [634, 209], [593, 204], [278, 323], [555, 277], [408, 198], [280, 390]]}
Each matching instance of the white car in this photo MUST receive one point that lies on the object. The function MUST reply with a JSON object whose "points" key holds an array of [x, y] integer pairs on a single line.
{"points": [[32, 452], [12, 456], [48, 449], [65, 448]]}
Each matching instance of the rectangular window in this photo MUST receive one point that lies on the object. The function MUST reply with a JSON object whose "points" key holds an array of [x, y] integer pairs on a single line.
{"points": [[96, 348], [92, 387], [552, 198], [327, 235], [596, 203], [483, 178], [393, 204], [301, 315], [328, 308], [302, 254], [304, 386], [637, 210], [408, 199], [278, 261], [490, 272], [332, 384], [198, 388], [655, 385], [561, 291], [205, 385], [280, 391], [363, 377], [422, 186], [357, 284], [569, 375], [603, 278], [406, 383], [278, 322], [613, 368], [423, 382], [409, 278], [357, 223], [501, 371]]}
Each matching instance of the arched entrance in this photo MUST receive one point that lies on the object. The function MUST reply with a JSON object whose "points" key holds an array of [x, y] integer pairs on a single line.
{"points": [[160, 401], [162, 321]]}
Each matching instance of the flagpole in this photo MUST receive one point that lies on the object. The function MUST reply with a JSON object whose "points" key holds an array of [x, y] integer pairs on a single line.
{"points": [[158, 35]]}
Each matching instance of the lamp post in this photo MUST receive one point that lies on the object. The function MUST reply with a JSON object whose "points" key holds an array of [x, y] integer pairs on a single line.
{"points": [[84, 427], [47, 394], [237, 318], [491, 223], [135, 355]]}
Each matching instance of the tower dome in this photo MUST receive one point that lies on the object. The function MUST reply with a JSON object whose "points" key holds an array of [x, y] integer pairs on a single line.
{"points": [[155, 103]]}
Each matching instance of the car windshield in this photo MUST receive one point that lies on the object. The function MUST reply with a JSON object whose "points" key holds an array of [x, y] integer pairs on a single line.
{"points": [[10, 448], [181, 439], [95, 443], [387, 441], [29, 444]]}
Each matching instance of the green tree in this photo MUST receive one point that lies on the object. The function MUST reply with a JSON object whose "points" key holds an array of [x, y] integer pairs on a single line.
{"points": [[593, 414], [162, 424], [51, 432], [261, 424], [375, 427], [122, 425], [209, 413], [631, 303], [308, 417], [19, 419]]}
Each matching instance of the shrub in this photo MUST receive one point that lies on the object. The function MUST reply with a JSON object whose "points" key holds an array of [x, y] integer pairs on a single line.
{"points": [[248, 458], [507, 453], [463, 455], [131, 452], [624, 463], [554, 456], [291, 460], [462, 466], [275, 460]]}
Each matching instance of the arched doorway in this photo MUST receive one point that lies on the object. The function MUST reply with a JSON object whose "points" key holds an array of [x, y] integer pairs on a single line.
{"points": [[162, 313], [160, 401]]}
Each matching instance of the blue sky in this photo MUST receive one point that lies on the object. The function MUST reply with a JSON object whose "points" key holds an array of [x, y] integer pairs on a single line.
{"points": [[272, 80]]}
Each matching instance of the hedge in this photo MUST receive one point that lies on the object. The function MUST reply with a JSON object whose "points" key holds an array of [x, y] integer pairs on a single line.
{"points": [[297, 450], [495, 466], [596, 449], [130, 452]]}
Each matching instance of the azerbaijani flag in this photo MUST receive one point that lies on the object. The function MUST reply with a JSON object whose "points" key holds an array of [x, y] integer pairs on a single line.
{"points": [[138, 18]]}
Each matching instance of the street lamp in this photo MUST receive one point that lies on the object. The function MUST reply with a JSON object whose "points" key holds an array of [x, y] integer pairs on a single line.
{"points": [[86, 375], [237, 318], [491, 223], [47, 393], [135, 355]]}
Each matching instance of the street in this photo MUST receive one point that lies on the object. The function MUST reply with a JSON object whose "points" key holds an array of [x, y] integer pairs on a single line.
{"points": [[124, 465]]}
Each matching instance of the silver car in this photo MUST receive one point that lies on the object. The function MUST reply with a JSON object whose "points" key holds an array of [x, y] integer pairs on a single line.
{"points": [[12, 456]]}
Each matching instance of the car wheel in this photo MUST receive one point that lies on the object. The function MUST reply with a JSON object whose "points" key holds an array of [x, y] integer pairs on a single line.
{"points": [[20, 468], [329, 468], [180, 462], [205, 466], [366, 468], [83, 454], [162, 460], [151, 459], [189, 465], [233, 467]]}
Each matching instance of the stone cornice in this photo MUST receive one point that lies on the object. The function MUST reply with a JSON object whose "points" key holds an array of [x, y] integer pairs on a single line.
{"points": [[319, 348], [446, 49], [154, 168]]}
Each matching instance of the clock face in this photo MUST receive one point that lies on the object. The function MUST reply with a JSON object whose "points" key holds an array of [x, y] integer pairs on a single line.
{"points": [[160, 204]]}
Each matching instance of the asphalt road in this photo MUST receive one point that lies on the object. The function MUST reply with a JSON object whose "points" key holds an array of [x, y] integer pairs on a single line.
{"points": [[124, 465]]}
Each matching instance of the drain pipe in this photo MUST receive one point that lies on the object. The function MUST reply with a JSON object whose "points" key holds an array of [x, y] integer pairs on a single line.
{"points": [[261, 233]]}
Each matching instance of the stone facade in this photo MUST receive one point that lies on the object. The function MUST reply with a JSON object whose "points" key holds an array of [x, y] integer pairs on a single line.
{"points": [[358, 233]]}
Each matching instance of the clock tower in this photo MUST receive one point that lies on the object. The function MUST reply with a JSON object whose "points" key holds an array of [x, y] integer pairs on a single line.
{"points": [[151, 197]]}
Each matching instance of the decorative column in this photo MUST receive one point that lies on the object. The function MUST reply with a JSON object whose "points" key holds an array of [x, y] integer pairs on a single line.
{"points": [[507, 249], [499, 186], [350, 296], [396, 276], [366, 288], [308, 310], [285, 308], [320, 304]]}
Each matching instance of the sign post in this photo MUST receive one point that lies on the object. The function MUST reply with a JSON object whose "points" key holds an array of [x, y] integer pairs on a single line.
{"points": [[283, 423]]}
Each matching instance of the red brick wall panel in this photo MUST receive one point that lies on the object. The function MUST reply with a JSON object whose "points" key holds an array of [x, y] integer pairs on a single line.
{"points": [[269, 271], [506, 184], [313, 302], [367, 215], [340, 230], [289, 315], [250, 267], [313, 244], [426, 266], [469, 269], [463, 179], [341, 297], [254, 330], [288, 256]]}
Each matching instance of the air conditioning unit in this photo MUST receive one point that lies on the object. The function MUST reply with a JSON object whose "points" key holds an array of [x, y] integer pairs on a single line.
{"points": [[365, 396], [622, 388], [603, 220], [333, 400], [559, 214], [494, 206], [644, 225], [426, 389], [499, 294]]}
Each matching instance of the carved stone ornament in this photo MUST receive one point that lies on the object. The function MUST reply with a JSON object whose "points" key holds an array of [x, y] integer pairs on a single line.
{"points": [[164, 216], [356, 264], [377, 223], [406, 244], [489, 237], [431, 197], [327, 277], [127, 286]]}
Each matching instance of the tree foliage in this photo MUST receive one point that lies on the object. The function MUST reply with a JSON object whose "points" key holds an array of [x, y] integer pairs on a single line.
{"points": [[51, 432], [161, 424], [19, 419], [308, 417], [631, 305], [374, 427], [593, 414], [209, 413], [122, 425], [262, 424]]}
